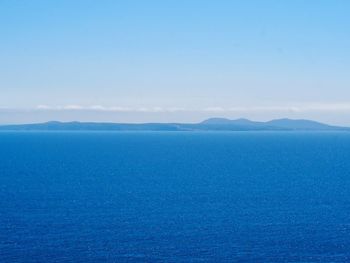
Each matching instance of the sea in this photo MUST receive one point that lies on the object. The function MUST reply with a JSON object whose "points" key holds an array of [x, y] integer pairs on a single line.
{"points": [[174, 197]]}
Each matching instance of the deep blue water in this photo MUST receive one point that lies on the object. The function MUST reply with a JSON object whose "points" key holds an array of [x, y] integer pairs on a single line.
{"points": [[174, 197]]}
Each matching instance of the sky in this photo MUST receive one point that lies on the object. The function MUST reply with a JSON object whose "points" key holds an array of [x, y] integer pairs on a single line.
{"points": [[174, 60]]}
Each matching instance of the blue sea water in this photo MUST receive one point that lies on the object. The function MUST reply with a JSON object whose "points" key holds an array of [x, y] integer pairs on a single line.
{"points": [[174, 197]]}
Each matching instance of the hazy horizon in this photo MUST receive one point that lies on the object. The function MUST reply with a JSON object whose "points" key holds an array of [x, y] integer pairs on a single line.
{"points": [[27, 116], [167, 122]]}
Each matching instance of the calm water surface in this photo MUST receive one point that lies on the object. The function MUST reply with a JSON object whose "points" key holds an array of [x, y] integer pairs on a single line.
{"points": [[174, 197]]}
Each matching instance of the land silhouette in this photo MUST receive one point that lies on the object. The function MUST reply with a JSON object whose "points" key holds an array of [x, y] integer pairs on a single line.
{"points": [[212, 124]]}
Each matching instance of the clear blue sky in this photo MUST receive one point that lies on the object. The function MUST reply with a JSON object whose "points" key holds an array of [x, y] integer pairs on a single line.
{"points": [[174, 60]]}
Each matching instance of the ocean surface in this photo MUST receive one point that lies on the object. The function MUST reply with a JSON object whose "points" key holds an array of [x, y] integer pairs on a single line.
{"points": [[174, 197]]}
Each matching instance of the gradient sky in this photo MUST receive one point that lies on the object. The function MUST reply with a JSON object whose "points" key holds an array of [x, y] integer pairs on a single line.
{"points": [[174, 60]]}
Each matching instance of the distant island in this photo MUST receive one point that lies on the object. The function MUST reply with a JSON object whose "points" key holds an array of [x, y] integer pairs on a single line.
{"points": [[212, 124]]}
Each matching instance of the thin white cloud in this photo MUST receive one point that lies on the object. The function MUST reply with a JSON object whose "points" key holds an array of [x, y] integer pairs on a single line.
{"points": [[265, 109], [328, 107], [307, 107], [312, 107], [111, 109], [43, 107], [214, 109], [74, 107]]}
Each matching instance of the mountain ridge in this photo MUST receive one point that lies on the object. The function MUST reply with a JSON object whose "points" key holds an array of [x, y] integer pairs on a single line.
{"points": [[211, 124]]}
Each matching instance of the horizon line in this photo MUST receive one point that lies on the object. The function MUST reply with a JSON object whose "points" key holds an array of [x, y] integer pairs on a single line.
{"points": [[200, 122]]}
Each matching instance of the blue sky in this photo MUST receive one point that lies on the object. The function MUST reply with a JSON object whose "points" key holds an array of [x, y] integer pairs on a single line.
{"points": [[174, 60]]}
